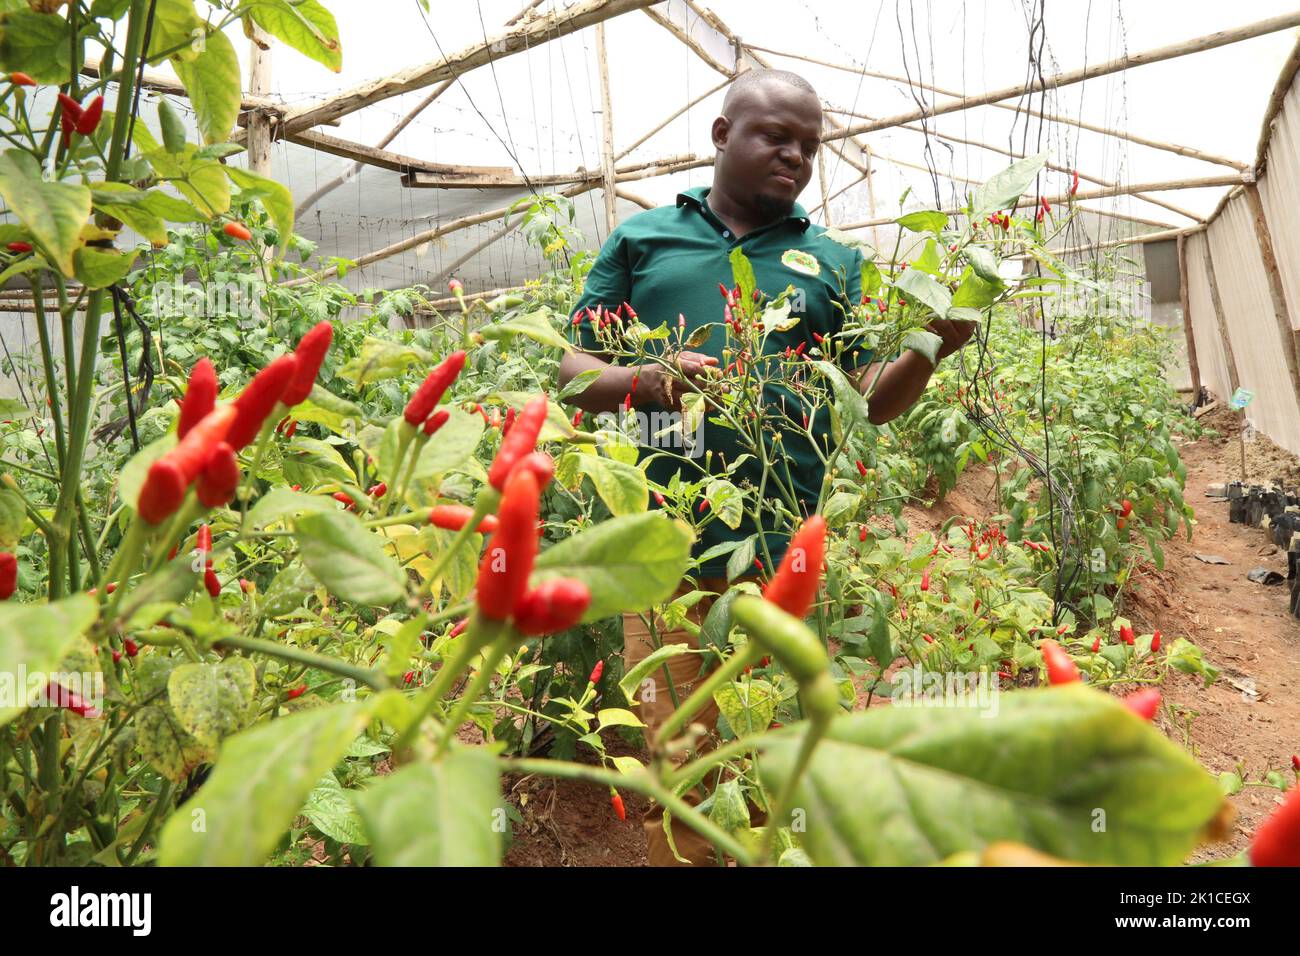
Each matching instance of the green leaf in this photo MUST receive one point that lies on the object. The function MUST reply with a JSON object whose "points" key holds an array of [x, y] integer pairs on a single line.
{"points": [[533, 325], [452, 446], [728, 808], [925, 342], [925, 220], [1006, 187], [36, 637], [983, 262], [742, 274], [213, 701], [176, 24], [742, 559], [310, 461], [212, 83], [306, 26], [726, 501], [621, 486], [975, 293], [348, 559], [326, 408], [925, 289], [37, 44], [380, 359], [446, 813], [629, 562], [578, 384], [882, 648], [1066, 770], [13, 516], [632, 679], [261, 780], [275, 197], [617, 717], [101, 268], [848, 400], [281, 502], [332, 813], [749, 706], [166, 746], [52, 212], [123, 203], [870, 277]]}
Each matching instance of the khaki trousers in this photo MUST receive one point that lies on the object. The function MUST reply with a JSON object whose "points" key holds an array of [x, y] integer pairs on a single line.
{"points": [[656, 706]]}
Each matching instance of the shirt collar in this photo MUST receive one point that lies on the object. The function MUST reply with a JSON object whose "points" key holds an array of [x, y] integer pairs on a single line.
{"points": [[696, 196]]}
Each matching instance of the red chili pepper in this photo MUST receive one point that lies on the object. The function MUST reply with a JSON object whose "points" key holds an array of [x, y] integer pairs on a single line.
{"points": [[71, 111], [616, 802], [456, 286], [552, 606], [862, 533], [1074, 184], [237, 230], [1126, 634], [508, 560], [203, 540], [408, 677], [925, 580], [293, 427], [8, 575], [862, 469], [296, 692], [130, 646], [520, 442], [659, 498], [117, 656], [1126, 508], [200, 396], [577, 418], [681, 321], [1155, 641], [1060, 668], [168, 478], [704, 503], [432, 389], [295, 487], [21, 79], [91, 116], [436, 421], [19, 247], [60, 696], [310, 354], [219, 478], [1295, 762], [455, 517], [345, 499], [509, 422], [794, 585], [211, 582], [1096, 644], [246, 586], [259, 398], [1277, 839], [1144, 702], [541, 465], [758, 564], [459, 627]]}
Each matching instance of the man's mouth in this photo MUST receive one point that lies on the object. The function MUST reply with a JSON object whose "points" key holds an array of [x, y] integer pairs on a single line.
{"points": [[785, 178]]}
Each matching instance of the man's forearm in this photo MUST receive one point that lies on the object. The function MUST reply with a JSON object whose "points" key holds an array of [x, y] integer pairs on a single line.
{"points": [[607, 392], [900, 385]]}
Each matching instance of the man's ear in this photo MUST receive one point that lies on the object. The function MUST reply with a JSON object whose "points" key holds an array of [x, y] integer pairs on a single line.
{"points": [[721, 130]]}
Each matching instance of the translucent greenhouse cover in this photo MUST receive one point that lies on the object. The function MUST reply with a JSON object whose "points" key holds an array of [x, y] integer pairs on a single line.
{"points": [[539, 111]]}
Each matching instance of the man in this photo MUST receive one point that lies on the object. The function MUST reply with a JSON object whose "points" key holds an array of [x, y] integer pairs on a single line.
{"points": [[670, 261]]}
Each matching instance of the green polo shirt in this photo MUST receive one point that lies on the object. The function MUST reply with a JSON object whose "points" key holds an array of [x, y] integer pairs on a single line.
{"points": [[669, 261]]}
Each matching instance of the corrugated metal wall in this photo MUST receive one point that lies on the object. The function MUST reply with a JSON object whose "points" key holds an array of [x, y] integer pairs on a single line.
{"points": [[1244, 288]]}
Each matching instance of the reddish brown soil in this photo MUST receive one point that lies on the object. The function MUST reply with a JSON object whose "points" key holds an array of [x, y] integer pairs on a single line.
{"points": [[1242, 628]]}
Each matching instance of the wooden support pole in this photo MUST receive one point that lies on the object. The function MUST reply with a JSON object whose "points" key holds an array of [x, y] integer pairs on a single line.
{"points": [[1120, 190], [259, 84], [515, 40], [825, 187], [688, 41], [1163, 236], [635, 198], [609, 180], [1175, 148], [351, 171], [703, 96], [1234, 380], [1069, 77], [1184, 298], [871, 199], [1282, 315]]}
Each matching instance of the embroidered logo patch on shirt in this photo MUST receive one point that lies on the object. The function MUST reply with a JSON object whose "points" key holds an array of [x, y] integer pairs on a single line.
{"points": [[801, 261]]}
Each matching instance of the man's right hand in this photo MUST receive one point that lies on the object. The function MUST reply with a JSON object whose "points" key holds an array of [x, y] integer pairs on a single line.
{"points": [[658, 383]]}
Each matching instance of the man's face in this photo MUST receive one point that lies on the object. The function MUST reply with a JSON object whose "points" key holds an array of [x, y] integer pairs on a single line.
{"points": [[766, 148]]}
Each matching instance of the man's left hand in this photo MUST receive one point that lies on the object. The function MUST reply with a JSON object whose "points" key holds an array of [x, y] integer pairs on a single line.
{"points": [[954, 332]]}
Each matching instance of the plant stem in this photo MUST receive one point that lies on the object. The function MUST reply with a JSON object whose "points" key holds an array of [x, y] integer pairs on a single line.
{"points": [[361, 675]]}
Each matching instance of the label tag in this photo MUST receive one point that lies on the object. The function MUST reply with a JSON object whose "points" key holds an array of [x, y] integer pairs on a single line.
{"points": [[1240, 399]]}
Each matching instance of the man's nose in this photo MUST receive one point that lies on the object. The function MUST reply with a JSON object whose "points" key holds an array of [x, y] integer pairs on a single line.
{"points": [[791, 156]]}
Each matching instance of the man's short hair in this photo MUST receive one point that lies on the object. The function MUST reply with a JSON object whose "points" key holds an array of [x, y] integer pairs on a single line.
{"points": [[751, 79]]}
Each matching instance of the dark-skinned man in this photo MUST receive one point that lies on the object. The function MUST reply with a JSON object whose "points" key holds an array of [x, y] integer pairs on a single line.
{"points": [[670, 261]]}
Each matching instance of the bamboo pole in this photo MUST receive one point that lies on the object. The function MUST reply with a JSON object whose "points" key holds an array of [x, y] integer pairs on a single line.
{"points": [[525, 12], [871, 199], [821, 180], [259, 84], [1276, 291], [492, 49], [1121, 190], [351, 171], [1002, 150], [608, 180], [635, 198], [1070, 77], [841, 191], [1184, 298], [703, 96], [1137, 240], [1180, 150], [1234, 380], [688, 41]]}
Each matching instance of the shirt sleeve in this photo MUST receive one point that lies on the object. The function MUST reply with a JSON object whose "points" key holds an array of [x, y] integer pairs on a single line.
{"points": [[855, 354], [609, 284]]}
